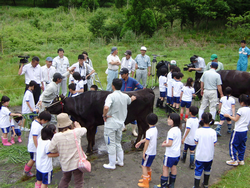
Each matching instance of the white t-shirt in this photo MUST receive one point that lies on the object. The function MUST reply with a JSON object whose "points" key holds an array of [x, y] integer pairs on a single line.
{"points": [[192, 124], [162, 81], [177, 85], [47, 73], [151, 135], [111, 58], [28, 97], [206, 137], [242, 124], [170, 85], [61, 64], [169, 77], [4, 117], [32, 73], [74, 95], [128, 63], [187, 93], [175, 150], [14, 124], [226, 107], [43, 162], [79, 85], [34, 131]]}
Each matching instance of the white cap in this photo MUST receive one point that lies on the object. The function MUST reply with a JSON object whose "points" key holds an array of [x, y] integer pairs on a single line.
{"points": [[143, 48], [173, 62]]}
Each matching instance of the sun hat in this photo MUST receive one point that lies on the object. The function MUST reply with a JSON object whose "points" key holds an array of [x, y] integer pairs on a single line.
{"points": [[63, 120], [172, 62], [213, 57]]}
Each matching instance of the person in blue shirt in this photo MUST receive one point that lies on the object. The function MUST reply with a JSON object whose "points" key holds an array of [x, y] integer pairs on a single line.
{"points": [[244, 53]]}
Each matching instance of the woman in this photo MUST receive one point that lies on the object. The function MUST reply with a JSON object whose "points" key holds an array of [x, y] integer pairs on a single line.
{"points": [[64, 143], [88, 61]]}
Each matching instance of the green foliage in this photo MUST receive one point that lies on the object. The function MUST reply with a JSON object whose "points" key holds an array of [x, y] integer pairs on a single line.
{"points": [[120, 3], [90, 4], [15, 154], [96, 23]]}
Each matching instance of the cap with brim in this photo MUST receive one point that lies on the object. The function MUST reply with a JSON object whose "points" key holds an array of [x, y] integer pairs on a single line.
{"points": [[143, 48], [113, 49], [214, 64], [58, 76], [172, 62], [128, 52], [213, 57], [49, 59], [63, 120], [123, 71]]}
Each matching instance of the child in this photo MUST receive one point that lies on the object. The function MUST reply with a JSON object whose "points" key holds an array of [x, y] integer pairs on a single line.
{"points": [[5, 119], [93, 88], [72, 90], [35, 133], [172, 154], [188, 138], [226, 106], [239, 135], [170, 93], [205, 139], [176, 90], [16, 122], [149, 150], [44, 157], [162, 87], [79, 82], [187, 93]]}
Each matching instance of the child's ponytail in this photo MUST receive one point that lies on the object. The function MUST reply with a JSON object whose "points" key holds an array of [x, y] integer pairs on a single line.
{"points": [[228, 92], [206, 118]]}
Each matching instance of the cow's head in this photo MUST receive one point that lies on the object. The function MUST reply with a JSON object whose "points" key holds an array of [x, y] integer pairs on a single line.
{"points": [[57, 105]]}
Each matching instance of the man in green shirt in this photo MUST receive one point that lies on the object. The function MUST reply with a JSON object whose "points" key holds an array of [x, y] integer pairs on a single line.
{"points": [[214, 58]]}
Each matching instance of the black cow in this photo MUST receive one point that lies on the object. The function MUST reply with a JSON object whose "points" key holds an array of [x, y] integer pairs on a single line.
{"points": [[87, 109]]}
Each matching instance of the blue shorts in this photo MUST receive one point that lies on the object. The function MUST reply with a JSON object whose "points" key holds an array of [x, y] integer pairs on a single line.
{"points": [[185, 104], [186, 147], [148, 160], [200, 166], [169, 100], [18, 132], [45, 178], [6, 130], [177, 100], [162, 94], [170, 161], [222, 118], [33, 156]]}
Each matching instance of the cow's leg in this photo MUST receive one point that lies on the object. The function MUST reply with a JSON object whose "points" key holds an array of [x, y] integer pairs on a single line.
{"points": [[142, 128], [89, 138]]}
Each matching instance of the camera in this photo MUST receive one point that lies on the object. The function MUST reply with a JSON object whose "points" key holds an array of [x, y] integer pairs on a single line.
{"points": [[24, 59], [84, 78], [190, 65]]}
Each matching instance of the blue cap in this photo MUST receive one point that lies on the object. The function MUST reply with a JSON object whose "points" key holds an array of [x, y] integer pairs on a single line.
{"points": [[214, 65], [113, 49], [49, 59]]}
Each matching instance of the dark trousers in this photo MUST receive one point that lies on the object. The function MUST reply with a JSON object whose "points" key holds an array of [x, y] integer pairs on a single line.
{"points": [[78, 179], [36, 92], [85, 87]]}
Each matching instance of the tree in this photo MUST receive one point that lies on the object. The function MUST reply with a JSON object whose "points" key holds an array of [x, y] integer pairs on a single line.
{"points": [[97, 23]]}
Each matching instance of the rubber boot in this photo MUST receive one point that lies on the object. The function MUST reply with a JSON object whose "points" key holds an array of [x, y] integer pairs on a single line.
{"points": [[38, 185], [191, 165], [112, 162], [158, 103], [166, 108], [149, 173], [184, 155], [196, 183], [206, 179], [134, 130], [120, 157], [12, 141], [229, 127], [218, 128], [172, 181], [161, 104], [27, 170], [5, 142], [145, 182], [19, 139]]}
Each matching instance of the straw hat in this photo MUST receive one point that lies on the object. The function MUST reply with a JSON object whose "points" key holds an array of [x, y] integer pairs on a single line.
{"points": [[63, 120]]}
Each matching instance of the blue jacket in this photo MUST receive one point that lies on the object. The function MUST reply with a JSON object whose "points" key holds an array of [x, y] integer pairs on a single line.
{"points": [[130, 84]]}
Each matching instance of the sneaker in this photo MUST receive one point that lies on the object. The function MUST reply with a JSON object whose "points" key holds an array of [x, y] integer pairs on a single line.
{"points": [[232, 163], [26, 129], [241, 163], [29, 174]]}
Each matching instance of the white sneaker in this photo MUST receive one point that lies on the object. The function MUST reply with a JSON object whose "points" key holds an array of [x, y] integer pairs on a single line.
{"points": [[108, 166], [241, 163], [232, 163]]}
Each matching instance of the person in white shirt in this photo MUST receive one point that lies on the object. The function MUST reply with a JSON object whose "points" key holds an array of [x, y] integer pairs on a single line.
{"points": [[205, 139], [238, 138], [162, 87], [28, 105], [192, 125], [177, 86], [47, 72], [129, 63], [88, 61], [172, 153], [72, 90], [226, 106], [16, 123], [113, 66], [33, 71], [170, 100], [61, 63], [149, 150]]}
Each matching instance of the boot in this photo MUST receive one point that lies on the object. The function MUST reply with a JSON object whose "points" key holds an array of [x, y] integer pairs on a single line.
{"points": [[158, 103], [206, 178], [134, 130], [27, 170], [5, 142], [161, 104], [172, 181], [145, 182], [12, 141], [149, 173], [191, 165], [229, 127], [184, 155], [112, 161], [120, 157], [218, 128], [38, 185], [19, 139], [166, 108], [196, 183]]}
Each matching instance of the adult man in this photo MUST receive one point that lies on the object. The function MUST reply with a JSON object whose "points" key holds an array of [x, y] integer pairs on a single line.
{"points": [[61, 63], [129, 63], [244, 53], [114, 115], [210, 82], [84, 69], [214, 58], [142, 64], [32, 71], [47, 72], [113, 65], [199, 64], [129, 84]]}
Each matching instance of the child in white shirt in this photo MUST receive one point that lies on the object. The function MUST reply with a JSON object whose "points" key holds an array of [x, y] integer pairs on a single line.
{"points": [[177, 86], [162, 87], [16, 123], [79, 82]]}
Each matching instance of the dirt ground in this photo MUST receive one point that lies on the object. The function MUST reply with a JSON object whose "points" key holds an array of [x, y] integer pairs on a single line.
{"points": [[128, 176]]}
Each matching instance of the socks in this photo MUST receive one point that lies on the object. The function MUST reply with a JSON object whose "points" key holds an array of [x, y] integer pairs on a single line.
{"points": [[164, 182], [181, 116], [229, 127], [191, 158], [186, 116]]}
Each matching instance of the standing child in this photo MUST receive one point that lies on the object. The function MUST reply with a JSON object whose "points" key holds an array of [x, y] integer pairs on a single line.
{"points": [[5, 114], [205, 139], [170, 83], [162, 87], [16, 123], [226, 106], [169, 76], [176, 90], [187, 93], [173, 151], [188, 138], [44, 165], [35, 133], [79, 82], [239, 135], [149, 151]]}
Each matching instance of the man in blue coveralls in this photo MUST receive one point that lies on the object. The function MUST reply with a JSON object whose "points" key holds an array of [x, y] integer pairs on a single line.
{"points": [[244, 54]]}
